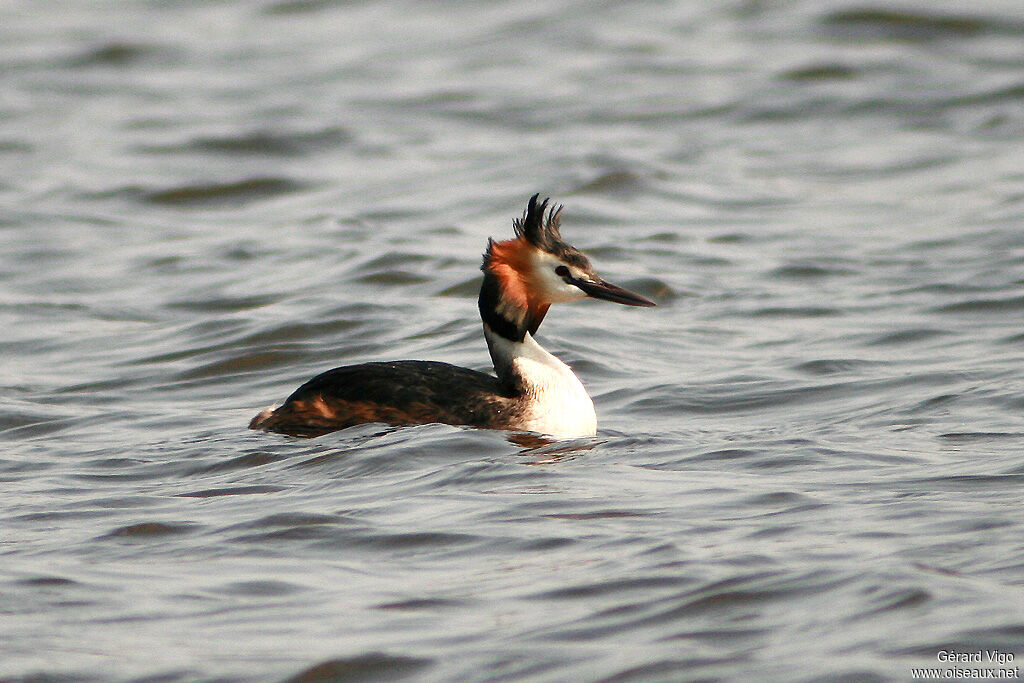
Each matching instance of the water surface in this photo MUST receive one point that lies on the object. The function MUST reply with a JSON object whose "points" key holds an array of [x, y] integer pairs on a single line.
{"points": [[808, 464]]}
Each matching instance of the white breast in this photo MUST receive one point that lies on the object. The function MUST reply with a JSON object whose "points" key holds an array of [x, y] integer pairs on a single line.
{"points": [[555, 400]]}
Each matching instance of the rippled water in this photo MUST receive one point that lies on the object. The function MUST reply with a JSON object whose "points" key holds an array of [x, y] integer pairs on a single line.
{"points": [[809, 457]]}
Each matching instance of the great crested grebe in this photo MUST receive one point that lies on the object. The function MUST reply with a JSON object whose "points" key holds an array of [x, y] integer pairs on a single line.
{"points": [[533, 390]]}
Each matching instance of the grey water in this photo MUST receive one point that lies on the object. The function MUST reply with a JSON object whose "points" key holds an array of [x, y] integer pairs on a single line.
{"points": [[809, 458]]}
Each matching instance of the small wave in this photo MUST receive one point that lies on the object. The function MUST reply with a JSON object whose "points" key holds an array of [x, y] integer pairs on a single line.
{"points": [[260, 589], [832, 366], [831, 71], [907, 336], [739, 397], [981, 436], [420, 604], [224, 304], [48, 580], [232, 491], [796, 312], [116, 54], [622, 183], [1010, 305], [261, 143], [887, 599], [227, 193], [639, 584], [808, 271], [150, 529], [886, 24], [374, 666]]}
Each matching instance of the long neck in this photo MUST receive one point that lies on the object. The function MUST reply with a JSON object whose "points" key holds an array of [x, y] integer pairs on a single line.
{"points": [[509, 322], [550, 398], [507, 354], [510, 314]]}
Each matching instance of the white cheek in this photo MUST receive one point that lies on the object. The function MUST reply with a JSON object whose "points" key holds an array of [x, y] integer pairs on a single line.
{"points": [[555, 289]]}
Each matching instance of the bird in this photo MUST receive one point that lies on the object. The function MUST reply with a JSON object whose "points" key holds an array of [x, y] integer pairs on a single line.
{"points": [[530, 391]]}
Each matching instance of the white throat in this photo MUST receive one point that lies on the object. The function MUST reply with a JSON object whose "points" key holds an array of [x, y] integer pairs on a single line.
{"points": [[554, 400]]}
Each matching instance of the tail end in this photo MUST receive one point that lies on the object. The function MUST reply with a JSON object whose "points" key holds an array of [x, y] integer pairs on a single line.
{"points": [[260, 421]]}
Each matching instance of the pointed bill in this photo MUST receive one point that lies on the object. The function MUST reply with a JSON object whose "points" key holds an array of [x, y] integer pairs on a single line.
{"points": [[599, 289]]}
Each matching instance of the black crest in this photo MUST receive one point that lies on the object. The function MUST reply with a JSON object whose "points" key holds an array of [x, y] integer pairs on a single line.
{"points": [[539, 229]]}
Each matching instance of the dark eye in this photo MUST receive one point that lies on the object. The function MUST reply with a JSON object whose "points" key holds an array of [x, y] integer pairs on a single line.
{"points": [[562, 271]]}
